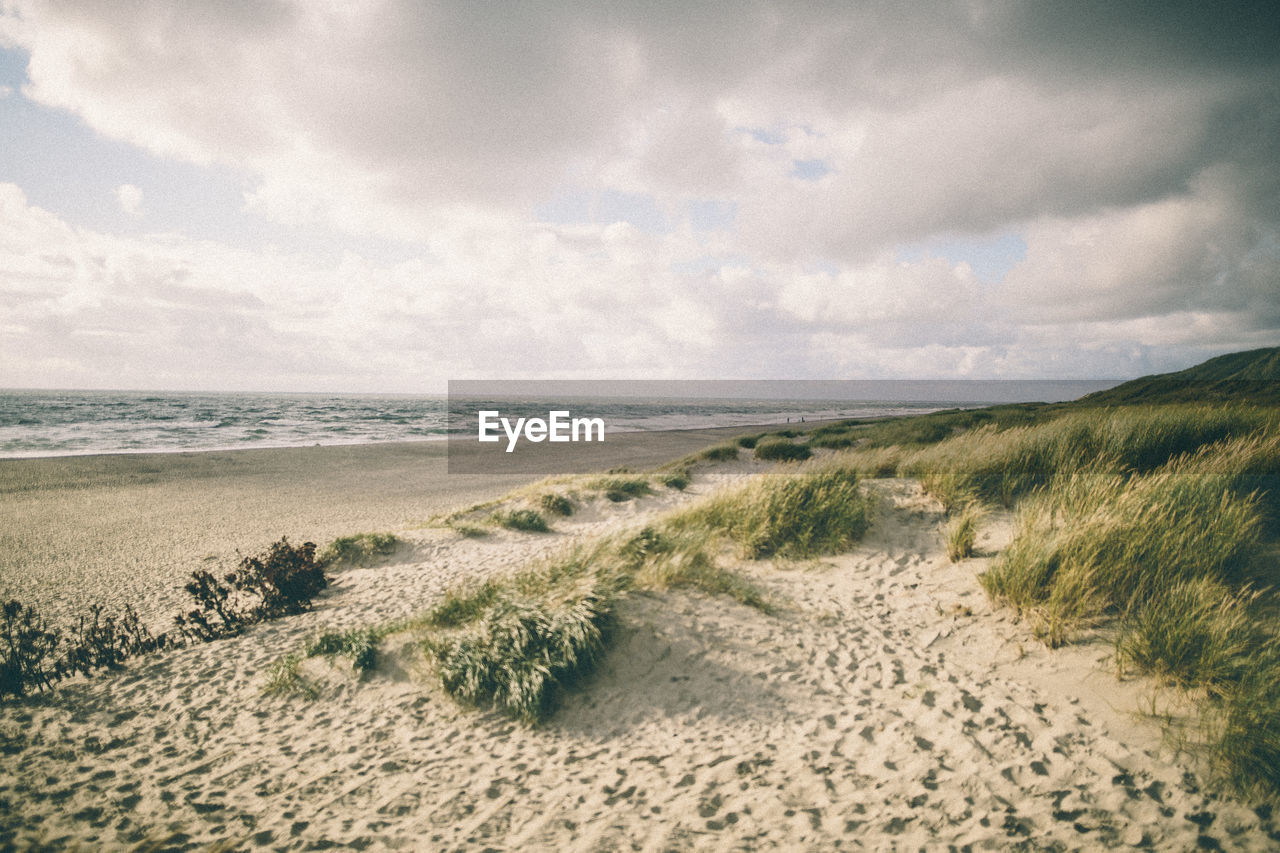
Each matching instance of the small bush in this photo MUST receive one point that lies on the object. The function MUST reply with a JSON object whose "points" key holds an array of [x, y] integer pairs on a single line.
{"points": [[782, 450], [748, 442], [554, 504], [30, 644], [527, 520], [358, 550], [678, 480], [284, 579], [720, 453]]}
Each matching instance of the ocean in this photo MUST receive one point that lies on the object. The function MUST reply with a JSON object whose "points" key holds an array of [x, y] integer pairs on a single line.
{"points": [[68, 423]]}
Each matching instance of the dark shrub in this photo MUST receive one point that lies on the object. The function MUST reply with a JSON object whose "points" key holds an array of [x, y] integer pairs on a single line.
{"points": [[284, 579], [556, 504], [28, 642]]}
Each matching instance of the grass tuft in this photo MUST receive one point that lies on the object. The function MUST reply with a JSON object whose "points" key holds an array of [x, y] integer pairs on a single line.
{"points": [[513, 645], [527, 520], [1196, 633], [678, 480], [555, 504], [359, 644], [782, 450], [819, 511], [720, 452], [962, 532], [620, 488], [358, 549], [284, 678]]}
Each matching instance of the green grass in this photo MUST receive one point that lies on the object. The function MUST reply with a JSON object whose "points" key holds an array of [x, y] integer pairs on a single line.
{"points": [[962, 532], [1162, 519], [525, 520], [1247, 731], [803, 514], [720, 452], [620, 488], [359, 644], [555, 504], [678, 479], [1097, 543], [513, 644], [1000, 465], [1197, 633], [748, 442], [284, 678], [782, 450], [658, 558], [358, 549]]}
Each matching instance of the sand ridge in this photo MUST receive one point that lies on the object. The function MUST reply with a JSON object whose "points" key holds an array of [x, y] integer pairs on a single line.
{"points": [[876, 710]]}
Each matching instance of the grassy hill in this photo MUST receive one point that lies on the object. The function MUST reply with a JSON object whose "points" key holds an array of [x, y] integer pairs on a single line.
{"points": [[1252, 376]]}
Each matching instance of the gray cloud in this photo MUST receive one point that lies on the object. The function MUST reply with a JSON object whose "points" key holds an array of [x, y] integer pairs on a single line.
{"points": [[1132, 146]]}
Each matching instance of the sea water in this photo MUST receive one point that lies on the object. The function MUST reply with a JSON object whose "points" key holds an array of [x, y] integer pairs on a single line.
{"points": [[65, 423]]}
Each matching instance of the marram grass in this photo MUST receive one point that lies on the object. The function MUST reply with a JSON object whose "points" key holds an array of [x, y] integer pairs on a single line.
{"points": [[814, 511], [962, 533], [358, 549], [1098, 543]]}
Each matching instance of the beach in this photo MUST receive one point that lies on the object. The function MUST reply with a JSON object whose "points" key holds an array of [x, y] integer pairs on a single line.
{"points": [[130, 528], [883, 705]]}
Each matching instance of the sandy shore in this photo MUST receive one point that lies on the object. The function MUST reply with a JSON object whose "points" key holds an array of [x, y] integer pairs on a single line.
{"points": [[131, 528], [885, 707]]}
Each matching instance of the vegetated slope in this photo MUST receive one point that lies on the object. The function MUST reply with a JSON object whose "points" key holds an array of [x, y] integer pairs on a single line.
{"points": [[1252, 376]]}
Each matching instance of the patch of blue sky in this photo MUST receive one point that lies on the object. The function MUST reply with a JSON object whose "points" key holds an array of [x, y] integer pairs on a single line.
{"points": [[989, 257], [711, 214], [65, 167], [810, 170], [578, 206], [765, 136], [706, 264]]}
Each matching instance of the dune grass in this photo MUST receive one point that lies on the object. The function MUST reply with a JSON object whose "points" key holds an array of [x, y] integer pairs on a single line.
{"points": [[1000, 465], [514, 643], [962, 533], [1160, 519], [358, 549], [720, 452], [816, 511], [525, 520], [554, 503], [782, 450]]}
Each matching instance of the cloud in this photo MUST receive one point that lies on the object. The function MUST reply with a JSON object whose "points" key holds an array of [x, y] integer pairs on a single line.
{"points": [[747, 177], [130, 198]]}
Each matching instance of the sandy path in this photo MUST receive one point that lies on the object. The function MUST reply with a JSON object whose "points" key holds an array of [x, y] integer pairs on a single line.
{"points": [[881, 709]]}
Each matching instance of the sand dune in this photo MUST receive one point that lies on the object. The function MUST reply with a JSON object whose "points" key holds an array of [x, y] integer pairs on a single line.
{"points": [[883, 707]]}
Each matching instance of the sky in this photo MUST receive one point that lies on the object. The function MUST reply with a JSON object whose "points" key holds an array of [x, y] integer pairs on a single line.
{"points": [[313, 195]]}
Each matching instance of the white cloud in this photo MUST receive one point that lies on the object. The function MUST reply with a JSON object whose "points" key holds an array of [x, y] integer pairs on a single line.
{"points": [[130, 198], [1142, 183]]}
